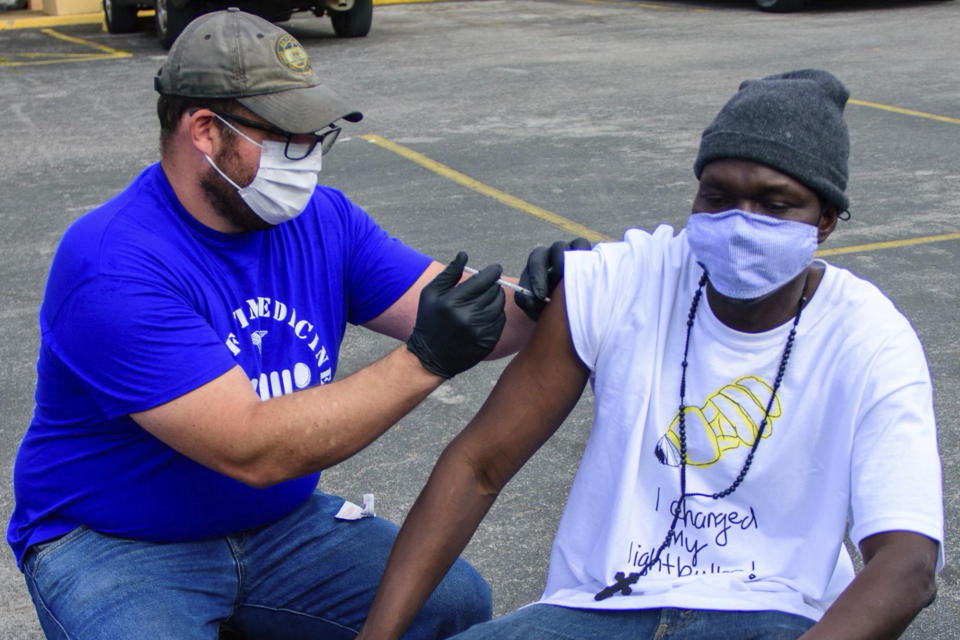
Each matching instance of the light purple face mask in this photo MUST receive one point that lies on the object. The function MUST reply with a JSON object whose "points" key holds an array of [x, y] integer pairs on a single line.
{"points": [[749, 255]]}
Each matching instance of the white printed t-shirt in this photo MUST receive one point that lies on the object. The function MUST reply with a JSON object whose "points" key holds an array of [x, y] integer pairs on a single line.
{"points": [[851, 435]]}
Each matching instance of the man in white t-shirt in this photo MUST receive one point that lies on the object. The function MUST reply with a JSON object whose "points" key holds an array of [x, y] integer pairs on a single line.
{"points": [[753, 407]]}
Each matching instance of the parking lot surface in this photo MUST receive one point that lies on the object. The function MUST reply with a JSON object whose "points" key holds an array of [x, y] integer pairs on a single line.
{"points": [[494, 126]]}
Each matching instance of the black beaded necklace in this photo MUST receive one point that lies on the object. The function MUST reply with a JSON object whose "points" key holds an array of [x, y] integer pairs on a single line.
{"points": [[622, 582]]}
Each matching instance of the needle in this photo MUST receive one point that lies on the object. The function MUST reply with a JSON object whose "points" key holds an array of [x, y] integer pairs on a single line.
{"points": [[508, 285]]}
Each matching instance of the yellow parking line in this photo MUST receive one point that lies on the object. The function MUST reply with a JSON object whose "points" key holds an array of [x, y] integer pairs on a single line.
{"points": [[590, 234], [34, 58], [892, 244], [29, 58], [116, 53], [906, 112], [507, 199], [58, 56], [86, 57]]}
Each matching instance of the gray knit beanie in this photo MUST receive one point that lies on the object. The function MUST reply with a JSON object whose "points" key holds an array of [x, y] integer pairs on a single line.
{"points": [[791, 122]]}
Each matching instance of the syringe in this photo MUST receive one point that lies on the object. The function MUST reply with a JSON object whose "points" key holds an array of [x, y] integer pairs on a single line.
{"points": [[508, 285]]}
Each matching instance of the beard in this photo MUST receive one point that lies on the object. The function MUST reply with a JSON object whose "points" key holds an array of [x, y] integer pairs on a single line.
{"points": [[223, 197]]}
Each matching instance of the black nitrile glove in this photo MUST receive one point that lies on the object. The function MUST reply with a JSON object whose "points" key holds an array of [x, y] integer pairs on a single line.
{"points": [[458, 325], [543, 271]]}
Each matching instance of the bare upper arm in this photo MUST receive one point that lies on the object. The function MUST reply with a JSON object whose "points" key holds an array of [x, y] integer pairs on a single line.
{"points": [[209, 423], [530, 401]]}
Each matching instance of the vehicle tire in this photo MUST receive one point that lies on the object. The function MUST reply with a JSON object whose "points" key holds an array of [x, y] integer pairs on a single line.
{"points": [[780, 6], [354, 23], [120, 18], [171, 20]]}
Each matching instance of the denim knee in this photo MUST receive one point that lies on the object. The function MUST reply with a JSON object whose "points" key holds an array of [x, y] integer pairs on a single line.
{"points": [[461, 600]]}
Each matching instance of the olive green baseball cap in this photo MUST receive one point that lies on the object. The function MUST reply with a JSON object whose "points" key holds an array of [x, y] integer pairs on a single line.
{"points": [[233, 54]]}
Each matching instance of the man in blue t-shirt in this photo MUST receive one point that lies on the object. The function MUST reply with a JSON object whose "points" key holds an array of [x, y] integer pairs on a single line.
{"points": [[190, 328]]}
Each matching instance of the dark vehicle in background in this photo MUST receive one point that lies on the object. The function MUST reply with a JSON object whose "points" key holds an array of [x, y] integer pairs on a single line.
{"points": [[350, 18]]}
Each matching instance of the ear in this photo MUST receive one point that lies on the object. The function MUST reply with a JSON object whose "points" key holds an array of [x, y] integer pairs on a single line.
{"points": [[827, 222], [203, 132]]}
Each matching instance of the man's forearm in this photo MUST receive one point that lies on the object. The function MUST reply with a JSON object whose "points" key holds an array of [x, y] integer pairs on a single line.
{"points": [[895, 584], [225, 426], [331, 423], [438, 527]]}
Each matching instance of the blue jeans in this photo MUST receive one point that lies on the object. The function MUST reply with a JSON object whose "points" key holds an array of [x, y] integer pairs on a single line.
{"points": [[548, 622], [305, 576]]}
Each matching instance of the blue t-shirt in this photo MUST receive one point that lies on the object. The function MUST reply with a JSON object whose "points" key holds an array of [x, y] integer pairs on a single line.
{"points": [[143, 304]]}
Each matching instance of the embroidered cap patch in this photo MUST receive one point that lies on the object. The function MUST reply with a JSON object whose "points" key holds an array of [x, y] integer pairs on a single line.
{"points": [[292, 55]]}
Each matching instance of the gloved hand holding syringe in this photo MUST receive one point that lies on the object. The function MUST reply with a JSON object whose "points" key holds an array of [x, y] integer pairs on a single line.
{"points": [[508, 285], [543, 272]]}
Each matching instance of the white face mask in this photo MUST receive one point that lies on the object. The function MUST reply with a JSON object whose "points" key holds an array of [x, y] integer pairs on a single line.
{"points": [[749, 255], [282, 187]]}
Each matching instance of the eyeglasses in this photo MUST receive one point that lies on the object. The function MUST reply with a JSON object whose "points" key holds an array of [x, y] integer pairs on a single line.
{"points": [[292, 150]]}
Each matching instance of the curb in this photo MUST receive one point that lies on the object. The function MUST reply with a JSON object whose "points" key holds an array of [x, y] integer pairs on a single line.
{"points": [[39, 20]]}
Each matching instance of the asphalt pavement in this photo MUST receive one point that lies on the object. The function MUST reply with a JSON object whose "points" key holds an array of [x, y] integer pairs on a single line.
{"points": [[493, 126]]}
